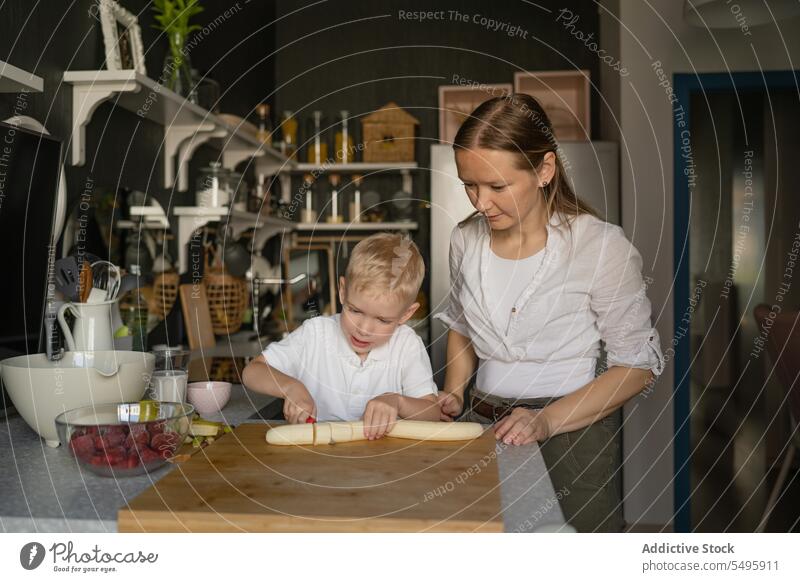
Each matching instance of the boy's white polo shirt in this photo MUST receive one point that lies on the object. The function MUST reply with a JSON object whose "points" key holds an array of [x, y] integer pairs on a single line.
{"points": [[319, 355]]}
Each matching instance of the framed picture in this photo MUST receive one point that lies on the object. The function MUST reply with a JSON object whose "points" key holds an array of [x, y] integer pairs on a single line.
{"points": [[456, 102], [122, 38], [564, 95]]}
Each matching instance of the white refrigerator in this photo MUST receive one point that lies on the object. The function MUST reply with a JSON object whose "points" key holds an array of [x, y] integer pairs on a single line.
{"points": [[593, 169]]}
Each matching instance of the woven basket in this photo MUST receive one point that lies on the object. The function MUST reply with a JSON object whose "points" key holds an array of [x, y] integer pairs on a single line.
{"points": [[227, 301], [164, 294]]}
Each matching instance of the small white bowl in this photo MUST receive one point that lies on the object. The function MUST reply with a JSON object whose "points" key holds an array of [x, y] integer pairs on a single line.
{"points": [[208, 397]]}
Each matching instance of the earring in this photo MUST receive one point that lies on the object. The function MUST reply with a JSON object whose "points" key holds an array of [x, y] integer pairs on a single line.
{"points": [[544, 184]]}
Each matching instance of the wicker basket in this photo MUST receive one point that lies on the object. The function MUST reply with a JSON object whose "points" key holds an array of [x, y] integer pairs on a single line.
{"points": [[226, 294], [227, 301], [164, 294], [389, 135]]}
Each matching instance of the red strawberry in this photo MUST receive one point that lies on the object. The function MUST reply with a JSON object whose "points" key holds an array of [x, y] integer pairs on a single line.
{"points": [[137, 441], [98, 460], [156, 427], [109, 440], [82, 446], [132, 462], [148, 455]]}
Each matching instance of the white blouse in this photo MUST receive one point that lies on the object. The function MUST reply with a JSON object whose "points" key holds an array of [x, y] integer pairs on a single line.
{"points": [[588, 288]]}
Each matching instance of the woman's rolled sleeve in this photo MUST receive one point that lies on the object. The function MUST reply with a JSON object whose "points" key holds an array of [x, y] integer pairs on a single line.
{"points": [[623, 310], [453, 314]]}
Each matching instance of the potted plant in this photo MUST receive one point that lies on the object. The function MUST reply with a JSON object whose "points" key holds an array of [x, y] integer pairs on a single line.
{"points": [[173, 18]]}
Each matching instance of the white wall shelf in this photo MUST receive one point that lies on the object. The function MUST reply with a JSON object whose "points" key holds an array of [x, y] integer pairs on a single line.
{"points": [[348, 226], [186, 125], [190, 218], [16, 80], [355, 168]]}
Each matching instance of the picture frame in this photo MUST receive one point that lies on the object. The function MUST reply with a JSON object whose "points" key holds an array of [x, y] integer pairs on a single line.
{"points": [[122, 38], [564, 96], [456, 102]]}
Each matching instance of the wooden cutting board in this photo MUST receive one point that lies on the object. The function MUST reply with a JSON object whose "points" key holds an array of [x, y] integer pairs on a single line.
{"points": [[240, 483]]}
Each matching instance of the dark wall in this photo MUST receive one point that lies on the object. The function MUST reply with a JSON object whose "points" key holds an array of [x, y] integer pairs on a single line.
{"points": [[358, 55], [50, 37]]}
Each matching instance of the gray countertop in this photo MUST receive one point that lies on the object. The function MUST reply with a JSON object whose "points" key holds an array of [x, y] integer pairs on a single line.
{"points": [[43, 489]]}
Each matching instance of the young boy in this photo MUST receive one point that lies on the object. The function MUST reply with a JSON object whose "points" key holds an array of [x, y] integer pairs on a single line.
{"points": [[364, 362]]}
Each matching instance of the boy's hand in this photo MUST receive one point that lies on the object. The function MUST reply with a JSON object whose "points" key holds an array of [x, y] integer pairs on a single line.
{"points": [[298, 405], [380, 415], [450, 405]]}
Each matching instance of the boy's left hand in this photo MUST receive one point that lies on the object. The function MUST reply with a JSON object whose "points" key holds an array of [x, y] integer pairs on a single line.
{"points": [[380, 415]]}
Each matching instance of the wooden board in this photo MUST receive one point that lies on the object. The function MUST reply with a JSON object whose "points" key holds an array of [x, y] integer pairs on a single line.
{"points": [[240, 483], [196, 316]]}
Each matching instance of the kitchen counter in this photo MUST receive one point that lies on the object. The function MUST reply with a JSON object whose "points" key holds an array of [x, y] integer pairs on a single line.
{"points": [[44, 491]]}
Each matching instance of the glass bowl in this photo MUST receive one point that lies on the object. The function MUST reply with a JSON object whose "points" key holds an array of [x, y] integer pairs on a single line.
{"points": [[126, 439]]}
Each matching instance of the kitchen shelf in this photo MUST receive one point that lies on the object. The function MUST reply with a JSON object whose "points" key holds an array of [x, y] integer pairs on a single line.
{"points": [[186, 125], [136, 225], [356, 167], [326, 226], [16, 80], [190, 218]]}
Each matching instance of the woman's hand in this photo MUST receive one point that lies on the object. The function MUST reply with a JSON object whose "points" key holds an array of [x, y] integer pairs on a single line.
{"points": [[380, 415], [298, 405], [523, 426], [450, 405]]}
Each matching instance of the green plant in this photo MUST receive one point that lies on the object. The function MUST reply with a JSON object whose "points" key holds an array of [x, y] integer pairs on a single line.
{"points": [[173, 19]]}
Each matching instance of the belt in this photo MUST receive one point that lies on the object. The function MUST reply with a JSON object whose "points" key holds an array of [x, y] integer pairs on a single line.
{"points": [[479, 405]]}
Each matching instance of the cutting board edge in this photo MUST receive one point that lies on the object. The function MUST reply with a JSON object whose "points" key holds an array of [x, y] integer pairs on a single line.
{"points": [[204, 522]]}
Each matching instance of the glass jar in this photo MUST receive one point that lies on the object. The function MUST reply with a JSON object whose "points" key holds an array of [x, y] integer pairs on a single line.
{"points": [[343, 143], [289, 130], [213, 189], [264, 133], [317, 149]]}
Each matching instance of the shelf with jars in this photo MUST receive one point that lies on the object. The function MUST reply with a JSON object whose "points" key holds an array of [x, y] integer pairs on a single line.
{"points": [[186, 125]]}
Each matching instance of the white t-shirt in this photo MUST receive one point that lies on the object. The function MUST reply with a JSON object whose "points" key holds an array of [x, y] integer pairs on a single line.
{"points": [[507, 279], [589, 289], [318, 355]]}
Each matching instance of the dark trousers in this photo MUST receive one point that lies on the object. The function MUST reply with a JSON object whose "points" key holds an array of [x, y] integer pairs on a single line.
{"points": [[585, 465]]}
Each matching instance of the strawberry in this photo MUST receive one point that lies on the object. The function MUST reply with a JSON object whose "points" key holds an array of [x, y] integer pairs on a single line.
{"points": [[136, 441], [148, 455], [82, 446]]}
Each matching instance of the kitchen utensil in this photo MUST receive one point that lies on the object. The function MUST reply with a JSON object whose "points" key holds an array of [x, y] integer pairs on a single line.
{"points": [[384, 485], [169, 385], [96, 295], [85, 281], [92, 328], [208, 397], [40, 389], [124, 439], [67, 276], [105, 276], [236, 257]]}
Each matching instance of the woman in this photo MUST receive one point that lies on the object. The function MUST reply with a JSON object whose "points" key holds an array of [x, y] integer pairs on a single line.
{"points": [[537, 283]]}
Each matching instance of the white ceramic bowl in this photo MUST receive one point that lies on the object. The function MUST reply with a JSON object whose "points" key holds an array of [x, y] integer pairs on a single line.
{"points": [[41, 390], [208, 397]]}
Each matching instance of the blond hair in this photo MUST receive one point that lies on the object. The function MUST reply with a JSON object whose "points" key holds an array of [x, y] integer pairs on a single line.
{"points": [[386, 263]]}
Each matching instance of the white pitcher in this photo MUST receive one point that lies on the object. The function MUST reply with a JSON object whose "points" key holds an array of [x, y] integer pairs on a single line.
{"points": [[92, 328]]}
